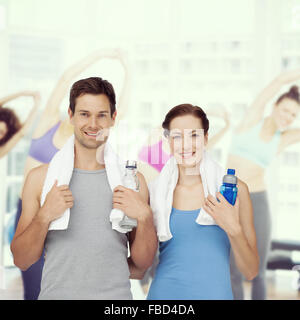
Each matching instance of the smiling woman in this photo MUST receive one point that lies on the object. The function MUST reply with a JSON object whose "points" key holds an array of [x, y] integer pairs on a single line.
{"points": [[187, 128], [194, 260], [256, 142]]}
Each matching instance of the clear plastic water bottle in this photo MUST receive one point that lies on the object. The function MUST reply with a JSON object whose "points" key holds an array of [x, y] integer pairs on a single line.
{"points": [[130, 180], [229, 189]]}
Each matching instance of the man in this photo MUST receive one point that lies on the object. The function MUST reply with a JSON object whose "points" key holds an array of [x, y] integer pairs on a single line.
{"points": [[88, 260]]}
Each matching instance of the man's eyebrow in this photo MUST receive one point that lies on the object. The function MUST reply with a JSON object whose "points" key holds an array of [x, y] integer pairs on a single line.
{"points": [[82, 110]]}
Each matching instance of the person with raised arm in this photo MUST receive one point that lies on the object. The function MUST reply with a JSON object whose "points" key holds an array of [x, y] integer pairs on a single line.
{"points": [[11, 129], [257, 140]]}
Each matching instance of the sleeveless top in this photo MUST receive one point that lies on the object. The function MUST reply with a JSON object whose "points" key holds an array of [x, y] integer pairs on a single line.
{"points": [[43, 149], [89, 259], [154, 155], [194, 263], [250, 146]]}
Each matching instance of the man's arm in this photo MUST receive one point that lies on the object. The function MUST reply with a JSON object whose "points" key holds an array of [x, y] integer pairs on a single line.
{"points": [[28, 242]]}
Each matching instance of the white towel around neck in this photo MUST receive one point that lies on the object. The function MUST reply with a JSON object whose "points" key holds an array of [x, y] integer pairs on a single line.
{"points": [[61, 169], [162, 188]]}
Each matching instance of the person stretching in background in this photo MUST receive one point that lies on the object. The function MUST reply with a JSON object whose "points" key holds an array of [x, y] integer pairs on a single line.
{"points": [[11, 129]]}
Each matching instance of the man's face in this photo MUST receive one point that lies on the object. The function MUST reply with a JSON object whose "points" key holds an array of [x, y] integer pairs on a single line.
{"points": [[91, 116]]}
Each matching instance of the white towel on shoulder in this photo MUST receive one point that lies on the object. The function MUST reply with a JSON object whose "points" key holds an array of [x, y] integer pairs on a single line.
{"points": [[162, 188], [61, 168]]}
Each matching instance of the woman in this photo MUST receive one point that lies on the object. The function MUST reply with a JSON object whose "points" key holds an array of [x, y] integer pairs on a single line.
{"points": [[194, 263], [156, 152], [51, 134], [11, 129], [154, 155], [255, 144]]}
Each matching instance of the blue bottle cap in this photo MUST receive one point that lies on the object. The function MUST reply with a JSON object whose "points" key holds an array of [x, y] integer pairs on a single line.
{"points": [[231, 171]]}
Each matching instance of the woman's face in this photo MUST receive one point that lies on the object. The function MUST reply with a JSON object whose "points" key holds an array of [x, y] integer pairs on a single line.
{"points": [[3, 129], [187, 140], [285, 112]]}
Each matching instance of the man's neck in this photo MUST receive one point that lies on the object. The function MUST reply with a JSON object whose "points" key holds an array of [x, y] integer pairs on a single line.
{"points": [[85, 158]]}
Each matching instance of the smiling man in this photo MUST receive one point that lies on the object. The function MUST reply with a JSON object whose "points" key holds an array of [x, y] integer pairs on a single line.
{"points": [[88, 260]]}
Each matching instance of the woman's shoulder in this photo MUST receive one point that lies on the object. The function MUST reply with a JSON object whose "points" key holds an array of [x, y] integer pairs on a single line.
{"points": [[245, 127], [242, 186], [44, 125]]}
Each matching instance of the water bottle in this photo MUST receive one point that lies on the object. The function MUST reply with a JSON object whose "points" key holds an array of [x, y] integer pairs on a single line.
{"points": [[229, 189], [130, 180]]}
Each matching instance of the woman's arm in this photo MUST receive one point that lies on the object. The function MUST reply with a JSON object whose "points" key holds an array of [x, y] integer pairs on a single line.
{"points": [[256, 110], [218, 136], [237, 222], [13, 96], [288, 138], [25, 127], [65, 81], [123, 104]]}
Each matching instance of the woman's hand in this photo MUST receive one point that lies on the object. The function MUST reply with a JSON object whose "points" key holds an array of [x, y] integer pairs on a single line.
{"points": [[225, 215], [131, 203]]}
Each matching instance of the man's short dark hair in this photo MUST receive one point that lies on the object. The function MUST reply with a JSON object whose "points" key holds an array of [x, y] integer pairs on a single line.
{"points": [[93, 85]]}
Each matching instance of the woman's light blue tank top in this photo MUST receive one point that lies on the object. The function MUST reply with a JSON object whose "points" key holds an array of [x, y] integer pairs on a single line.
{"points": [[194, 263], [250, 146]]}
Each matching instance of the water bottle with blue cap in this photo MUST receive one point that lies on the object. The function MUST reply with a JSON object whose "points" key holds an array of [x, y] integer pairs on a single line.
{"points": [[229, 189]]}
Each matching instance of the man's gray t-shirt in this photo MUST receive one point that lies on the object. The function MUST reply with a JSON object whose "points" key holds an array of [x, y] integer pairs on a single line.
{"points": [[88, 260]]}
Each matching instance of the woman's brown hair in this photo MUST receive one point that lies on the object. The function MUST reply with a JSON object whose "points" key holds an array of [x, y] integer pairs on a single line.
{"points": [[182, 110], [292, 94], [12, 122]]}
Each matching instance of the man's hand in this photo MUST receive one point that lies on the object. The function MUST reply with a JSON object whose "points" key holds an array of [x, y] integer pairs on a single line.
{"points": [[131, 203], [57, 201]]}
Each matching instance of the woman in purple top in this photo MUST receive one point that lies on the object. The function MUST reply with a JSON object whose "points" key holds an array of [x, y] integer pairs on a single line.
{"points": [[51, 134], [11, 129]]}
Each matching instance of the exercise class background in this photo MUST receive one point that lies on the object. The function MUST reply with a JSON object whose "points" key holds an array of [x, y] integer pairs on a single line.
{"points": [[215, 54]]}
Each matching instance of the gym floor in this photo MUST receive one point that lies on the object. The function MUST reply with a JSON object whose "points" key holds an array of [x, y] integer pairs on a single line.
{"points": [[282, 285]]}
